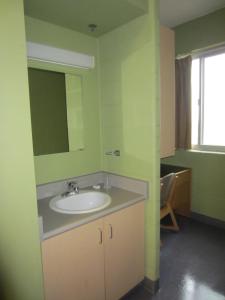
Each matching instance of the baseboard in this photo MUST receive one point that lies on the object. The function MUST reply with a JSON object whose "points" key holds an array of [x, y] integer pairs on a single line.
{"points": [[150, 285], [208, 220]]}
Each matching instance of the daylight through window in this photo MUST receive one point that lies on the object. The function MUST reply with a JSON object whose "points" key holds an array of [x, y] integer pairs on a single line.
{"points": [[208, 101]]}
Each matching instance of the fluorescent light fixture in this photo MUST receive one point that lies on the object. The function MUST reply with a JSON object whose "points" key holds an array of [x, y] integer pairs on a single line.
{"points": [[59, 56]]}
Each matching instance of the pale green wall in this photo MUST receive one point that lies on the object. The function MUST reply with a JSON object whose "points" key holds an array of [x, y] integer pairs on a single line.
{"points": [[208, 189], [130, 113], [64, 165], [200, 33], [20, 261]]}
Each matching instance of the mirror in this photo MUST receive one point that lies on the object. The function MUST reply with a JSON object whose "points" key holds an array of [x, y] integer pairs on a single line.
{"points": [[56, 111]]}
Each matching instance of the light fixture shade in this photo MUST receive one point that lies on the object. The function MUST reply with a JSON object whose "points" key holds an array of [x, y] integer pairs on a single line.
{"points": [[59, 56]]}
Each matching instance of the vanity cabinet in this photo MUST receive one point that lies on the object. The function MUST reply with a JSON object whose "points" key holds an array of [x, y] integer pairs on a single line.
{"points": [[124, 250], [167, 89], [73, 264], [103, 259]]}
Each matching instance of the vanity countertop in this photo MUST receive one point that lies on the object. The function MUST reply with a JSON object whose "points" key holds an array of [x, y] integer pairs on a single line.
{"points": [[55, 223]]}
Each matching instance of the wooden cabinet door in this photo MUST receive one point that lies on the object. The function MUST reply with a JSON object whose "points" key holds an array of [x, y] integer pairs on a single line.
{"points": [[124, 250], [73, 264], [181, 201], [167, 98]]}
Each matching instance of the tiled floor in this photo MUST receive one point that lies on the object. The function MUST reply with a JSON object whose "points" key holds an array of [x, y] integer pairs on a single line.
{"points": [[192, 264]]}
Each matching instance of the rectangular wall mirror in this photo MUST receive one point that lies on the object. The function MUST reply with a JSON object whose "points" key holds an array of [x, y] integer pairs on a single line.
{"points": [[56, 111]]}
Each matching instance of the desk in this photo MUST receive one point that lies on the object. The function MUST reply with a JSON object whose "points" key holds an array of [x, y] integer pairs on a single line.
{"points": [[181, 202]]}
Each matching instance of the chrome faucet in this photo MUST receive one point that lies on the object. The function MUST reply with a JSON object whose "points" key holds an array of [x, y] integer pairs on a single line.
{"points": [[73, 187]]}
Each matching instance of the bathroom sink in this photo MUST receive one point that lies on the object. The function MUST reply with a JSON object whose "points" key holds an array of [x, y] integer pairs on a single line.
{"points": [[80, 203]]}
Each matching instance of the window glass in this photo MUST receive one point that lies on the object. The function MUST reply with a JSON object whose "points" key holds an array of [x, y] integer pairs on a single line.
{"points": [[208, 101], [195, 78], [214, 100]]}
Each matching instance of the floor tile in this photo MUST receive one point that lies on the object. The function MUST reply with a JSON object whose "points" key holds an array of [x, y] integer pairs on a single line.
{"points": [[192, 264]]}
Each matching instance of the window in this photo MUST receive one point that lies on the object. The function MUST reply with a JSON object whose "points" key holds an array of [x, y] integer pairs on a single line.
{"points": [[208, 101]]}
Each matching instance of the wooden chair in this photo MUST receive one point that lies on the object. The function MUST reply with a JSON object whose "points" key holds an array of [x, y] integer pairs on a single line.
{"points": [[168, 183]]}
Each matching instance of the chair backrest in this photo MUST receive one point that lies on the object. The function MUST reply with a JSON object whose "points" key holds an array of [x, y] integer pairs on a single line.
{"points": [[167, 187]]}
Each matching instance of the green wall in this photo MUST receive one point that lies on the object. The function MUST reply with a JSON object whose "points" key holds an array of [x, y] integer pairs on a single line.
{"points": [[64, 165], [130, 113], [122, 93], [200, 33], [20, 261], [48, 111], [208, 189]]}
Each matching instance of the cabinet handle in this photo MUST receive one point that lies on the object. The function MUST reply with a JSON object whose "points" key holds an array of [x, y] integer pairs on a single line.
{"points": [[110, 231], [100, 236]]}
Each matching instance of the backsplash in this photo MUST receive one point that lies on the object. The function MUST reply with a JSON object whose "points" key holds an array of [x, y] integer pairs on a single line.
{"points": [[105, 179]]}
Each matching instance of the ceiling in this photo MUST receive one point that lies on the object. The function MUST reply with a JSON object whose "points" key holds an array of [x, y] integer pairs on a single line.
{"points": [[176, 12], [78, 14]]}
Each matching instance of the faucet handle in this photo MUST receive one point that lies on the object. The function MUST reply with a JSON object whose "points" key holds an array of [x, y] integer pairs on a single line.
{"points": [[73, 186]]}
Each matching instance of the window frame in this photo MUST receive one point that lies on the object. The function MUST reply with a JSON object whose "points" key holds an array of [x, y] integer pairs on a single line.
{"points": [[201, 56]]}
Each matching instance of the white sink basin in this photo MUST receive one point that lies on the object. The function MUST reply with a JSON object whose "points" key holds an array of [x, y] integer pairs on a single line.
{"points": [[84, 202]]}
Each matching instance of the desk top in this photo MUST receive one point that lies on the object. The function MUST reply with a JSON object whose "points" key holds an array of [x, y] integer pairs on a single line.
{"points": [[167, 169]]}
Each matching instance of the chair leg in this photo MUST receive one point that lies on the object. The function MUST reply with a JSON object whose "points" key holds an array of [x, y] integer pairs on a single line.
{"points": [[175, 226]]}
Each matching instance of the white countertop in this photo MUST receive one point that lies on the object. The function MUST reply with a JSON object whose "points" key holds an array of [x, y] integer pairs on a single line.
{"points": [[55, 223]]}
